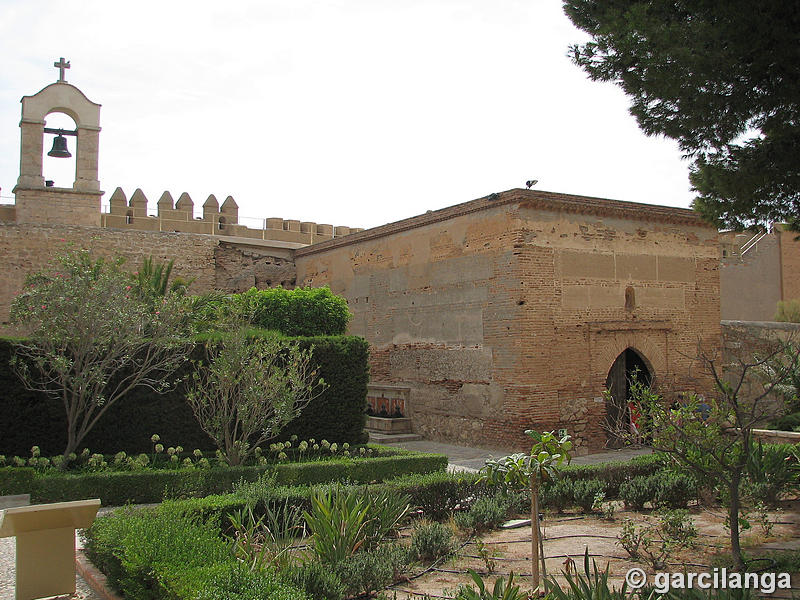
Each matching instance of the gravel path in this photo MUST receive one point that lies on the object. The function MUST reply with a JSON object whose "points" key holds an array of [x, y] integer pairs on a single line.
{"points": [[8, 574]]}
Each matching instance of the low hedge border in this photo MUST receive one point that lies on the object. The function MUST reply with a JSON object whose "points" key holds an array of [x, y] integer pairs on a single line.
{"points": [[144, 487], [156, 554], [436, 494]]}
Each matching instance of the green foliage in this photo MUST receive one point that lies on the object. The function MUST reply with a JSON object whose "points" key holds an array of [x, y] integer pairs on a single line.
{"points": [[152, 280], [344, 521], [585, 492], [431, 541], [558, 495], [337, 414], [147, 486], [638, 491], [788, 311], [592, 584], [771, 473], [516, 471], [266, 541], [486, 513], [504, 589], [371, 570], [91, 338], [694, 75], [298, 312], [674, 490], [317, 580], [439, 493], [657, 541], [153, 554], [249, 388]]}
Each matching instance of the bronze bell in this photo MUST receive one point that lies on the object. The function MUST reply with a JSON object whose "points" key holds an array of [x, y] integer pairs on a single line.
{"points": [[60, 149]]}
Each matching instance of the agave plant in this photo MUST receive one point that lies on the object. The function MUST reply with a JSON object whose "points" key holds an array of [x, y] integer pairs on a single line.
{"points": [[503, 589], [338, 522], [344, 521]]}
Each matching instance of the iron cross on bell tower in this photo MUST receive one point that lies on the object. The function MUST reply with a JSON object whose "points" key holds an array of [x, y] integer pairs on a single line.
{"points": [[61, 65]]}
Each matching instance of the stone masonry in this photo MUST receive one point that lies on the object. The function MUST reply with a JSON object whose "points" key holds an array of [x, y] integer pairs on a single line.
{"points": [[506, 313]]}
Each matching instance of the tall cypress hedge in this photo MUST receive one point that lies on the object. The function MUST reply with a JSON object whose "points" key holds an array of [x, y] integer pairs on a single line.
{"points": [[28, 418]]}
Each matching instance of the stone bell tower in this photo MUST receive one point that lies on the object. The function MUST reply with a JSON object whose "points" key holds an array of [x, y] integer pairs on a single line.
{"points": [[37, 202]]}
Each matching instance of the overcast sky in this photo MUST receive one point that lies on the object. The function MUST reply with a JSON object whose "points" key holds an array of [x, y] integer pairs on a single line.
{"points": [[348, 112]]}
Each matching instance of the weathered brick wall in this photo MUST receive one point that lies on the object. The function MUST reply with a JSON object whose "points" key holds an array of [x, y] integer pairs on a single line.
{"points": [[29, 248], [505, 315], [746, 343], [213, 264]]}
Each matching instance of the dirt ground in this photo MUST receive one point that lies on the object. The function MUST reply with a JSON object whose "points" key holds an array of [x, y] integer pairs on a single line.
{"points": [[569, 535]]}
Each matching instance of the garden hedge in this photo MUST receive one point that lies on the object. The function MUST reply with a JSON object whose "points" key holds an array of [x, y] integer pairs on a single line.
{"points": [[153, 485], [158, 554], [337, 414]]}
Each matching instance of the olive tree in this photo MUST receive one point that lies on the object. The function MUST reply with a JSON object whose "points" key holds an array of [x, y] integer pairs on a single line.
{"points": [[89, 337], [249, 388]]}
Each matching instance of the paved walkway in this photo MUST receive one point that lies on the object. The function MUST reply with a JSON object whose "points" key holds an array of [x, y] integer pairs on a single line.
{"points": [[462, 458]]}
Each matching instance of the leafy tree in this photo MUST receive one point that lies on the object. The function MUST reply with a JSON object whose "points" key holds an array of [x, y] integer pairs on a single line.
{"points": [[520, 471], [719, 76], [249, 389], [90, 337], [712, 437]]}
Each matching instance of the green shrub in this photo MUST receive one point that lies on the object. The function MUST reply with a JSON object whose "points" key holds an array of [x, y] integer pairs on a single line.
{"points": [[439, 494], [557, 495], [237, 582], [372, 570], [297, 312], [674, 490], [336, 415], [770, 473], [16, 480], [788, 311], [359, 470], [317, 580], [152, 554], [615, 473], [789, 422], [431, 541], [487, 512], [638, 491], [585, 492], [147, 486]]}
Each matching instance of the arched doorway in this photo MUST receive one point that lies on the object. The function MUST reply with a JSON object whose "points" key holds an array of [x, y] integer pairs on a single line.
{"points": [[618, 382]]}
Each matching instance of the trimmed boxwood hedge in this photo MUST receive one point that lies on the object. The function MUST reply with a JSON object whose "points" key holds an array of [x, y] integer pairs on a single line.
{"points": [[147, 486], [157, 554], [336, 415]]}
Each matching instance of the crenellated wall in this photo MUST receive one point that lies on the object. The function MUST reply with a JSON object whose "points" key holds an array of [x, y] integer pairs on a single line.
{"points": [[222, 220]]}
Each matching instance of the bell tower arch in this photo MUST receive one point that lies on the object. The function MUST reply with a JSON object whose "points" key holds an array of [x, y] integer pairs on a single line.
{"points": [[36, 202]]}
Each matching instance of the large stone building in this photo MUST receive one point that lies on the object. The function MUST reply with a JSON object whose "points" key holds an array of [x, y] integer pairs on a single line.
{"points": [[508, 312], [516, 311]]}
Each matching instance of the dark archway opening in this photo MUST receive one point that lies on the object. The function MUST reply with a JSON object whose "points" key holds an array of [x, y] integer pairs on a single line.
{"points": [[628, 364]]}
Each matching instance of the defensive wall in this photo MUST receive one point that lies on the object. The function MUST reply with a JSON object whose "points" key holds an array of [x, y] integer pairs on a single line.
{"points": [[508, 312]]}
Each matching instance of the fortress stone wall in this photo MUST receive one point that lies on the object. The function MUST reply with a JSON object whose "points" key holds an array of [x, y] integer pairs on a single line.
{"points": [[216, 220], [213, 262], [508, 313]]}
